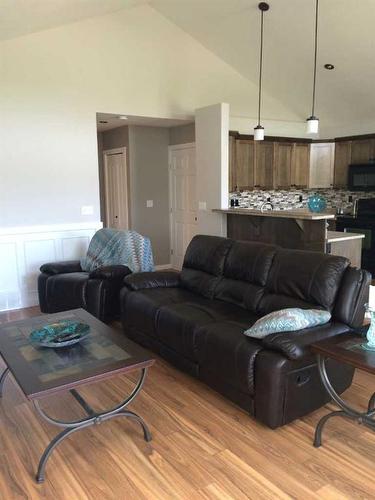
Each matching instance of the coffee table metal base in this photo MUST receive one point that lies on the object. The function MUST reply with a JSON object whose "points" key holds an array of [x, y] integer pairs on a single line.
{"points": [[365, 418], [93, 418]]}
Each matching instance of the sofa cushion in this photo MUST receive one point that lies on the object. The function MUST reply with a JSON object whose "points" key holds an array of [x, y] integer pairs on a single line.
{"points": [[177, 324], [66, 291], [226, 355], [245, 274], [140, 309], [204, 264], [308, 280], [287, 320]]}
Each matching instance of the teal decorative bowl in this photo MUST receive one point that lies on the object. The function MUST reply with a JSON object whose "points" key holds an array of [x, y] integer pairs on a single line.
{"points": [[316, 203], [61, 334]]}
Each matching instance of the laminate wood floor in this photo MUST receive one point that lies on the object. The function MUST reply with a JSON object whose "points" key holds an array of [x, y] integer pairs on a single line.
{"points": [[203, 446]]}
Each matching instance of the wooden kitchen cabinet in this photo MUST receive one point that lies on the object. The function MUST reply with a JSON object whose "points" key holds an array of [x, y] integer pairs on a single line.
{"points": [[232, 164], [244, 154], [362, 151], [283, 164], [300, 165], [321, 165], [264, 165], [343, 153]]}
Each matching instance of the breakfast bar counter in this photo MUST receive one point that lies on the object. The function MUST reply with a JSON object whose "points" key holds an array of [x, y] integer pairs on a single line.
{"points": [[287, 228], [283, 214]]}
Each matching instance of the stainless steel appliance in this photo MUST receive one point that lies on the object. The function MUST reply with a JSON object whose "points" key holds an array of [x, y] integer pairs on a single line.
{"points": [[362, 221], [362, 177]]}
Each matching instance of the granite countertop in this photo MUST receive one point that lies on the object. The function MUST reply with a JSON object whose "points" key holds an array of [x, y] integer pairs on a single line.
{"points": [[334, 236], [282, 214]]}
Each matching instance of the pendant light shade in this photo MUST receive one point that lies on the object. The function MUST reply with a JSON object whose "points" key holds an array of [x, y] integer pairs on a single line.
{"points": [[312, 125], [259, 133], [259, 130], [313, 121]]}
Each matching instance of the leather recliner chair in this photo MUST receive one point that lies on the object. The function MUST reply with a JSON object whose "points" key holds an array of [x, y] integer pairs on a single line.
{"points": [[64, 285], [196, 319]]}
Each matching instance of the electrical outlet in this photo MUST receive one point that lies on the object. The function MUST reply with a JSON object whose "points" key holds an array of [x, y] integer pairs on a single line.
{"points": [[87, 210], [202, 205], [149, 203]]}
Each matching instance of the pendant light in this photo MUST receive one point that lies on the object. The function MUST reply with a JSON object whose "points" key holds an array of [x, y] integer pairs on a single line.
{"points": [[259, 130], [313, 121]]}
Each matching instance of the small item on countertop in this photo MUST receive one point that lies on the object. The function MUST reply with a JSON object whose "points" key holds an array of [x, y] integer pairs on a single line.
{"points": [[61, 334], [236, 202], [316, 203], [232, 202]]}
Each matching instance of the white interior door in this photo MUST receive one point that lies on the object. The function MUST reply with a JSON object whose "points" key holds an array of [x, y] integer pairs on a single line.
{"points": [[116, 189], [183, 200]]}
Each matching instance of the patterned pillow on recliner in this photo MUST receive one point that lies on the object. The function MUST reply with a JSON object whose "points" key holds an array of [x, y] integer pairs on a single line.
{"points": [[287, 320]]}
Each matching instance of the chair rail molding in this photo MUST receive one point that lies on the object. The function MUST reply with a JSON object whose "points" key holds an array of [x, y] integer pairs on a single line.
{"points": [[24, 249]]}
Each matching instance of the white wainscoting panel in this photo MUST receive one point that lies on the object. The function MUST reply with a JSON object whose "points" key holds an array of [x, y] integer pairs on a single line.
{"points": [[23, 250]]}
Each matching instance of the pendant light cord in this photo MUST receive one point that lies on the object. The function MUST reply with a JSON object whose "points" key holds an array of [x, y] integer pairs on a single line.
{"points": [[315, 55], [260, 66]]}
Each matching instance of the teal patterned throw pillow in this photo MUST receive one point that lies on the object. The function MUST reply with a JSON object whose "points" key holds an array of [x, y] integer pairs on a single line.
{"points": [[287, 320]]}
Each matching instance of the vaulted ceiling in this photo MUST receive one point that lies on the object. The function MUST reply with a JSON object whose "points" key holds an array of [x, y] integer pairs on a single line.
{"points": [[230, 29], [20, 17]]}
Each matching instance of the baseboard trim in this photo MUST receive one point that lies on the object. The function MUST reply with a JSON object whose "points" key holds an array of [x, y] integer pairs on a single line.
{"points": [[163, 267]]}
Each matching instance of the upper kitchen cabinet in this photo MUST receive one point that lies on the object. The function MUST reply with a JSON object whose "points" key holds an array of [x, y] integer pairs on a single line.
{"points": [[363, 150], [283, 164], [264, 165], [244, 154], [343, 153], [321, 165], [232, 164], [300, 165]]}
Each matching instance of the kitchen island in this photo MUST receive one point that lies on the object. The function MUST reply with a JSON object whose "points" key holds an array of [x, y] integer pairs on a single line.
{"points": [[287, 228], [347, 245]]}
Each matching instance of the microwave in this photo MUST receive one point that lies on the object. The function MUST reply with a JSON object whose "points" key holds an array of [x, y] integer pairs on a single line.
{"points": [[362, 177]]}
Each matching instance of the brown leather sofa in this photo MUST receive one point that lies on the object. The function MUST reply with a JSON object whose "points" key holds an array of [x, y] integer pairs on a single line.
{"points": [[195, 319]]}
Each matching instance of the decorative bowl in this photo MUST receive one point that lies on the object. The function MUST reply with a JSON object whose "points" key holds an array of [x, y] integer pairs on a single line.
{"points": [[61, 334], [316, 203]]}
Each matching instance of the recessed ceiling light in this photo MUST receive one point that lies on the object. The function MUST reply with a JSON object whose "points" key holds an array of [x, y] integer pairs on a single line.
{"points": [[102, 121], [122, 117], [329, 66]]}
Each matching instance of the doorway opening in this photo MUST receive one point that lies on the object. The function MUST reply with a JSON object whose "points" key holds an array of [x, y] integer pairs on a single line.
{"points": [[136, 156]]}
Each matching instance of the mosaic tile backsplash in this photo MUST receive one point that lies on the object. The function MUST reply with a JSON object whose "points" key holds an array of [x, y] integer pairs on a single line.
{"points": [[291, 199]]}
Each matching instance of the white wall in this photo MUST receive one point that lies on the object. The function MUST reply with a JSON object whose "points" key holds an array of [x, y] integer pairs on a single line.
{"points": [[52, 84], [148, 169], [212, 167], [23, 250], [283, 128]]}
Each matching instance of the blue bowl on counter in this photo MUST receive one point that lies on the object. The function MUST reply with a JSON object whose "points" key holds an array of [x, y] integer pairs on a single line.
{"points": [[316, 203]]}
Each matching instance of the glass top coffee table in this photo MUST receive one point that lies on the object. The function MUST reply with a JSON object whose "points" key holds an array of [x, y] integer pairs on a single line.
{"points": [[42, 371]]}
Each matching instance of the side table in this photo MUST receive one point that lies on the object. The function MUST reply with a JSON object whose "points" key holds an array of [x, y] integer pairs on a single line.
{"points": [[345, 349]]}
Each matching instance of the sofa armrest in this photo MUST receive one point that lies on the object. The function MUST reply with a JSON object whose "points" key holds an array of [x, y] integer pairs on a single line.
{"points": [[296, 345], [67, 266], [110, 272], [158, 279]]}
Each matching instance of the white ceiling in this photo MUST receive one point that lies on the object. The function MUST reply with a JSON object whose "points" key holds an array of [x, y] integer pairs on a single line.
{"points": [[113, 121], [230, 29], [20, 17]]}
